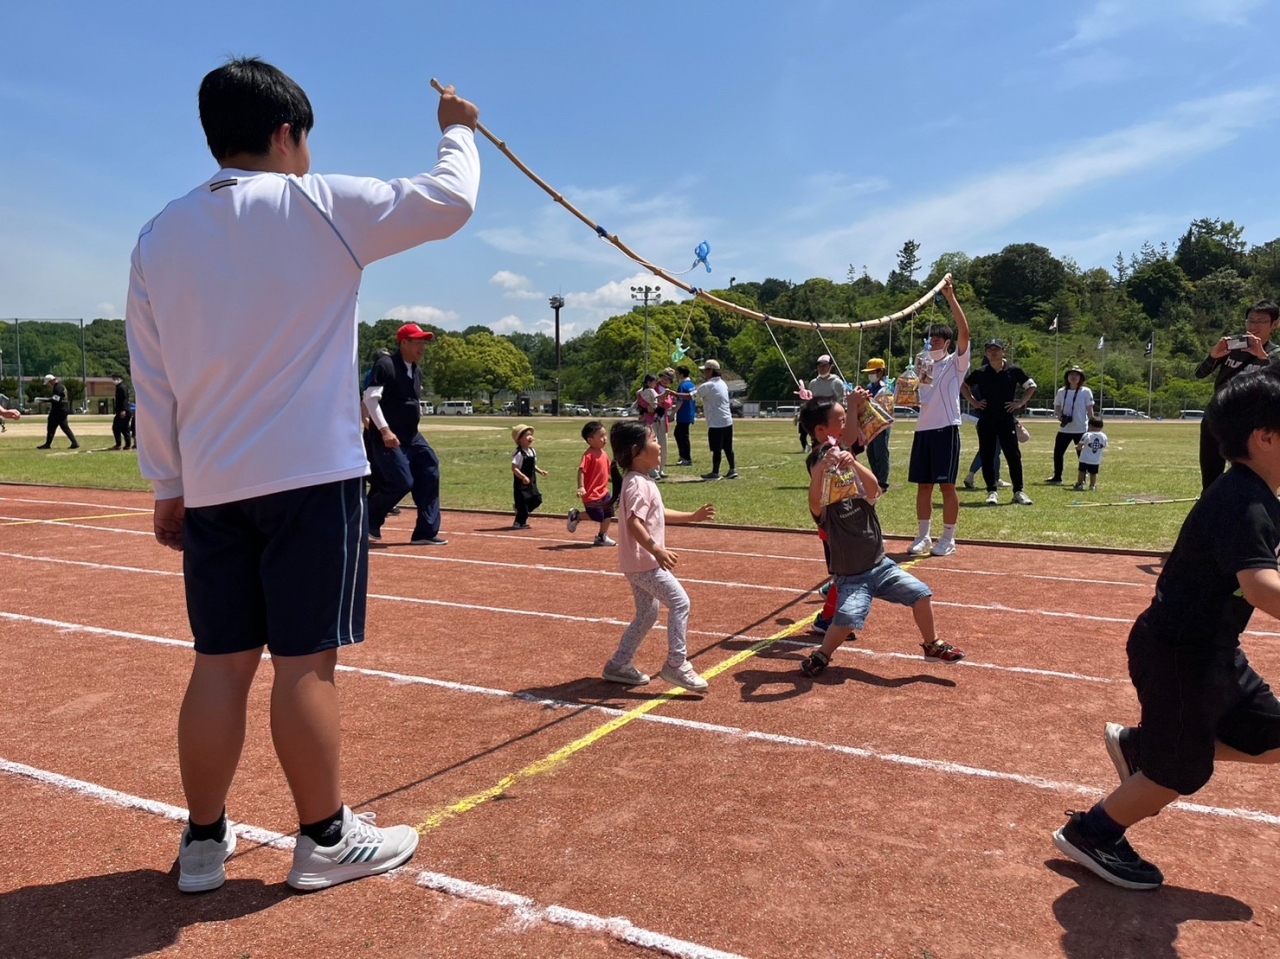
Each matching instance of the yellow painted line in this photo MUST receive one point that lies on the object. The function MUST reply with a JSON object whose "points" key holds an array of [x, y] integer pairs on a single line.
{"points": [[70, 519], [549, 763]]}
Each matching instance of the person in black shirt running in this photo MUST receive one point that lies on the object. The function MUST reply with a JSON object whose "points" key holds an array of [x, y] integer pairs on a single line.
{"points": [[1201, 701], [59, 410], [1224, 363], [998, 390], [403, 459]]}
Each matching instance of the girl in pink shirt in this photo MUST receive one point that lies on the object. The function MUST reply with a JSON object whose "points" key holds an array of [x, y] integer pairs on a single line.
{"points": [[646, 561]]}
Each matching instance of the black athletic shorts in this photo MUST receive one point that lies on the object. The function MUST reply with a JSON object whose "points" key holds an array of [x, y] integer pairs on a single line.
{"points": [[935, 457], [289, 571], [1191, 699], [1089, 469]]}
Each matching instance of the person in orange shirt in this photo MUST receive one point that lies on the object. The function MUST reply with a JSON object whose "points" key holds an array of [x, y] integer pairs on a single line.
{"points": [[594, 484]]}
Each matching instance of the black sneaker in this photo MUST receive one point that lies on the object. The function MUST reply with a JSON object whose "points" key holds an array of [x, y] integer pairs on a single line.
{"points": [[1116, 862], [1053, 481], [394, 511], [1122, 747], [813, 665]]}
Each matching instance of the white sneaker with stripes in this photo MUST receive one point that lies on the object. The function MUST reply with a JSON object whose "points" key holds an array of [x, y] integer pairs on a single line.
{"points": [[363, 850]]}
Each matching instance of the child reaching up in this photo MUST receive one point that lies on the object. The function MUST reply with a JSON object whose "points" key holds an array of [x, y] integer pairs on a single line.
{"points": [[1089, 449], [594, 483], [525, 472], [857, 558], [646, 561]]}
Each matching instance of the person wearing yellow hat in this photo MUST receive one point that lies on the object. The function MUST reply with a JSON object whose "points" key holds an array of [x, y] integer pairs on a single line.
{"points": [[878, 449]]}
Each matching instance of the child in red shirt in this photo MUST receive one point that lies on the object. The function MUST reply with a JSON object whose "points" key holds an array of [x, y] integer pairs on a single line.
{"points": [[593, 484]]}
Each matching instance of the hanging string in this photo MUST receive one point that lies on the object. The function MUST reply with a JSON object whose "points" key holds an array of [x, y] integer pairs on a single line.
{"points": [[659, 272], [831, 353], [860, 334], [889, 355], [801, 391]]}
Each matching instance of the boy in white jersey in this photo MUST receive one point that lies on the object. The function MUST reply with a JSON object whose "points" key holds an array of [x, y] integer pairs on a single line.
{"points": [[1091, 446], [935, 448], [241, 323]]}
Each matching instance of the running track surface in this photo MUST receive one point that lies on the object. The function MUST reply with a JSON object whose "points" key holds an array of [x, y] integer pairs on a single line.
{"points": [[892, 808]]}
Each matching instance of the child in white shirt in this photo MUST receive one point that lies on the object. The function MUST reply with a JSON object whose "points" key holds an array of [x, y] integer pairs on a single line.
{"points": [[1090, 450]]}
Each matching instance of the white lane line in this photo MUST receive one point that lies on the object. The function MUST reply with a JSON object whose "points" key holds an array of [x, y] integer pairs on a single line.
{"points": [[992, 607], [60, 502], [64, 523], [527, 910], [933, 765], [1056, 579]]}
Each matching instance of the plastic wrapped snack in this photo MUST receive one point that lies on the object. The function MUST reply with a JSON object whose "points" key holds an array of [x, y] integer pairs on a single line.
{"points": [[874, 419], [906, 388], [838, 486]]}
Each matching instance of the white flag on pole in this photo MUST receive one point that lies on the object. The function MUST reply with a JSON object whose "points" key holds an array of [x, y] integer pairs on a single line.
{"points": [[1102, 341], [1053, 327]]}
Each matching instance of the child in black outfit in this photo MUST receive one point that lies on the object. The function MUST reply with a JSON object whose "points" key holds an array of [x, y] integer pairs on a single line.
{"points": [[1201, 700], [525, 472]]}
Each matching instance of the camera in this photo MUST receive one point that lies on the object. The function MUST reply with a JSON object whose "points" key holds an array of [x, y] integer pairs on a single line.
{"points": [[1237, 342], [1064, 420]]}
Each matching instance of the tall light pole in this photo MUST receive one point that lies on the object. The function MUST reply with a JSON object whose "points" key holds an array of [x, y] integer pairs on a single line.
{"points": [[645, 294], [557, 302]]}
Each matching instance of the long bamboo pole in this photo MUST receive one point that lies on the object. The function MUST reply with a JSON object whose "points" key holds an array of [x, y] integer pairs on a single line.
{"points": [[671, 278]]}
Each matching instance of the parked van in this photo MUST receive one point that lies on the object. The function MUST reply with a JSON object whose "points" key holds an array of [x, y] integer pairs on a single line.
{"points": [[1123, 413], [1192, 415], [425, 408], [455, 408]]}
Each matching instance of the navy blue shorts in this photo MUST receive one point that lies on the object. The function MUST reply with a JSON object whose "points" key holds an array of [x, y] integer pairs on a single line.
{"points": [[935, 457], [289, 571], [601, 509]]}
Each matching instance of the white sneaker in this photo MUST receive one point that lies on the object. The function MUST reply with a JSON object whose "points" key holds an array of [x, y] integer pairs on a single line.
{"points": [[603, 541], [993, 499], [628, 675], [683, 676], [921, 546], [1021, 498], [944, 547], [1003, 484], [363, 850], [200, 864]]}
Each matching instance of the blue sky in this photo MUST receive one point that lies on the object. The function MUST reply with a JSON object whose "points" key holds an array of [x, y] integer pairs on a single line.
{"points": [[796, 138]]}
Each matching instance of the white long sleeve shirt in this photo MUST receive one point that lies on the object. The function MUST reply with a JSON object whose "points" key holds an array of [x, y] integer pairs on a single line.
{"points": [[241, 320]]}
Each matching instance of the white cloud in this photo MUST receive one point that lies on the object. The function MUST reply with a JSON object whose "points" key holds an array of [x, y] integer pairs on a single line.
{"points": [[615, 298], [981, 207], [515, 286], [107, 310], [422, 314], [508, 324], [1109, 19]]}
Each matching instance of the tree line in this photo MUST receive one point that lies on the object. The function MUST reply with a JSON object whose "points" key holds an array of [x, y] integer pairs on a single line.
{"points": [[1185, 296]]}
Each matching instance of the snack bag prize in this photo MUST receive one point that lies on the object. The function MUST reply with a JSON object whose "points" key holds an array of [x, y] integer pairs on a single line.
{"points": [[873, 420], [837, 486], [906, 388]]}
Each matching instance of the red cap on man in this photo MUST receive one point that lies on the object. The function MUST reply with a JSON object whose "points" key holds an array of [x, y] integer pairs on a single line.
{"points": [[411, 331]]}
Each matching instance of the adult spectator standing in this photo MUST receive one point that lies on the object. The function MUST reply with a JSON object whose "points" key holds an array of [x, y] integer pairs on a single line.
{"points": [[59, 410], [241, 323], [401, 456], [1073, 405], [714, 393], [997, 385], [686, 413], [6, 413], [825, 386], [120, 417], [1260, 323], [878, 448], [935, 448]]}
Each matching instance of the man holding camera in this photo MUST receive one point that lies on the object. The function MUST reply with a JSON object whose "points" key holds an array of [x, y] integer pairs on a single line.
{"points": [[1231, 356]]}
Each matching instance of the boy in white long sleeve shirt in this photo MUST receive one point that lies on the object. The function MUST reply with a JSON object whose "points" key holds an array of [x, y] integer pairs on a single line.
{"points": [[241, 322]]}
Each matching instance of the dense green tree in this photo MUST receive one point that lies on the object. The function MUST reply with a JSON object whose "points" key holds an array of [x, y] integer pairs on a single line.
{"points": [[1210, 244], [502, 365], [902, 279], [458, 370], [1156, 284], [1016, 282]]}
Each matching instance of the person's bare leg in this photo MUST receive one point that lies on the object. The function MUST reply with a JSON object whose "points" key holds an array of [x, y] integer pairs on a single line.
{"points": [[211, 727], [833, 639], [922, 612], [604, 526], [1225, 754], [924, 501], [1136, 799], [950, 504], [306, 733]]}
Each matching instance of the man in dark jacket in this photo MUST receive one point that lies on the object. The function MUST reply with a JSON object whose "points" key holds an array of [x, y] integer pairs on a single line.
{"points": [[59, 410]]}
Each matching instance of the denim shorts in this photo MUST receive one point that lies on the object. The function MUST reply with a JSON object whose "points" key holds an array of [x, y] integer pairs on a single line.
{"points": [[888, 581]]}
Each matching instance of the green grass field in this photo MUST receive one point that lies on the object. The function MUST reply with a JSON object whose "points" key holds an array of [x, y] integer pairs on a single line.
{"points": [[1145, 460]]}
